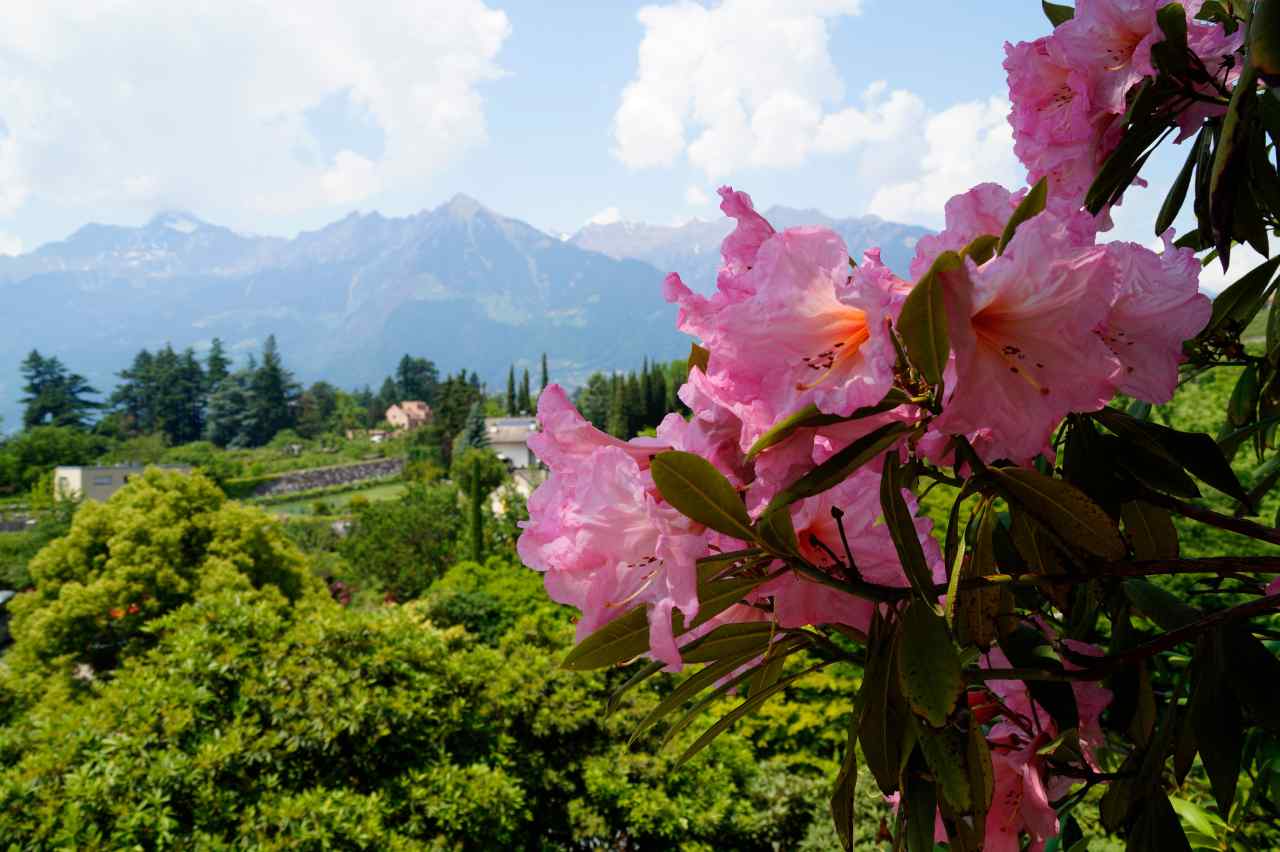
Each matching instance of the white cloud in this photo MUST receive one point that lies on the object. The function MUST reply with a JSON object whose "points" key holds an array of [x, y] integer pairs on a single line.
{"points": [[607, 216], [742, 83], [696, 196], [149, 104], [1243, 260], [963, 145], [9, 244]]}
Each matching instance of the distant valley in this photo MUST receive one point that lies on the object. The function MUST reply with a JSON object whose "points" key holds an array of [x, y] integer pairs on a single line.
{"points": [[460, 284]]}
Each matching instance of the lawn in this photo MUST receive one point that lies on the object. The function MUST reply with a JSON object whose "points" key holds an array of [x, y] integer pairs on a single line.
{"points": [[339, 502]]}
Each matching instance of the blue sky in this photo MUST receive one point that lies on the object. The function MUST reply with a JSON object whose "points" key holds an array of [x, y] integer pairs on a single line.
{"points": [[277, 117]]}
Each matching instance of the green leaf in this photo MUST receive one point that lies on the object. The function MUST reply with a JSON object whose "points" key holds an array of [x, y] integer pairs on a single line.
{"points": [[1230, 159], [929, 671], [843, 796], [982, 781], [642, 674], [811, 417], [1254, 677], [1157, 828], [840, 466], [1164, 608], [627, 636], [1151, 530], [1063, 508], [1145, 462], [729, 640], [923, 321], [920, 799], [1198, 453], [883, 720], [1027, 648], [698, 491], [1170, 55], [689, 688], [1242, 407], [1031, 205], [778, 532], [624, 638], [1178, 191], [1203, 822], [1124, 163], [1057, 13], [946, 752], [981, 248], [1216, 719], [902, 529], [752, 704], [698, 358]]}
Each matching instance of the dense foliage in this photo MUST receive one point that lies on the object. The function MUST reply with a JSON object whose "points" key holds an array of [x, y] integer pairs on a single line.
{"points": [[1052, 644]]}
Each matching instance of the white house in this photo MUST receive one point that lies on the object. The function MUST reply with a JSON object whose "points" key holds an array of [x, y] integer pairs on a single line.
{"points": [[508, 438], [99, 483]]}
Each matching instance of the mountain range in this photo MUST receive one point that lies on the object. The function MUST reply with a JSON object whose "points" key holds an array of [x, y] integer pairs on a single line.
{"points": [[460, 284]]}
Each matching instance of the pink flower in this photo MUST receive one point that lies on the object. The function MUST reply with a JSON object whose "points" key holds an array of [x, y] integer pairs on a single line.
{"points": [[1022, 330], [799, 600], [1157, 306], [713, 432], [793, 326], [565, 436]]}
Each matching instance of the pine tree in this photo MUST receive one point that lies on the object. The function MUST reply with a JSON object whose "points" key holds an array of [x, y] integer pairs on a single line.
{"points": [[275, 394], [475, 434], [216, 365], [54, 395], [525, 401], [546, 377], [511, 390]]}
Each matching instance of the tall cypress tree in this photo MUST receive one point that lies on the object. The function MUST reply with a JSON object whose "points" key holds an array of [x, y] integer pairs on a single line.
{"points": [[525, 401], [546, 376], [511, 390], [617, 423]]}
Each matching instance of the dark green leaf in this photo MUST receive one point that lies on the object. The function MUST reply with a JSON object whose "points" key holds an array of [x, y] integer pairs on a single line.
{"points": [[1198, 453], [1170, 55], [929, 670], [1254, 677], [1151, 531], [1063, 508], [981, 248], [1123, 164], [729, 640], [750, 705], [946, 752], [811, 417], [1242, 407], [778, 532], [1178, 191], [920, 799], [1230, 163], [923, 321], [1057, 13], [697, 490], [840, 466], [1164, 608], [624, 638], [1031, 205], [642, 674], [883, 720], [1216, 718], [1027, 648], [689, 688], [981, 773], [902, 529], [1157, 828], [843, 798]]}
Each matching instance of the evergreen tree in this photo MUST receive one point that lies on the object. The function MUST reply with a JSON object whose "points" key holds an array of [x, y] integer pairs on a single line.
{"points": [[316, 409], [475, 435], [417, 379], [274, 395], [511, 390], [229, 420], [388, 395], [524, 401], [617, 423], [546, 376], [633, 405], [216, 365], [594, 399], [54, 395]]}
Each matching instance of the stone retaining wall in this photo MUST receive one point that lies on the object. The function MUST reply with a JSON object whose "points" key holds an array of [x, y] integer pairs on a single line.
{"points": [[328, 477]]}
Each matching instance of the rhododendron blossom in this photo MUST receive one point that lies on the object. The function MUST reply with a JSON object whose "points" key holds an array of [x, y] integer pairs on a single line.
{"points": [[792, 325]]}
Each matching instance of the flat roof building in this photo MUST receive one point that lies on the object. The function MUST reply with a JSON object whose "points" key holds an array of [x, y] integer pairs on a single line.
{"points": [[99, 483]]}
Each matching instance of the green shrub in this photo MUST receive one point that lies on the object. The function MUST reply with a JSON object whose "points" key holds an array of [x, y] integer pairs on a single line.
{"points": [[401, 546], [157, 544]]}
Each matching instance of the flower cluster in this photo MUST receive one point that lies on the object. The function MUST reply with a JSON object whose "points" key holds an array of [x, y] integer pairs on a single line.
{"points": [[1070, 89], [809, 360]]}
